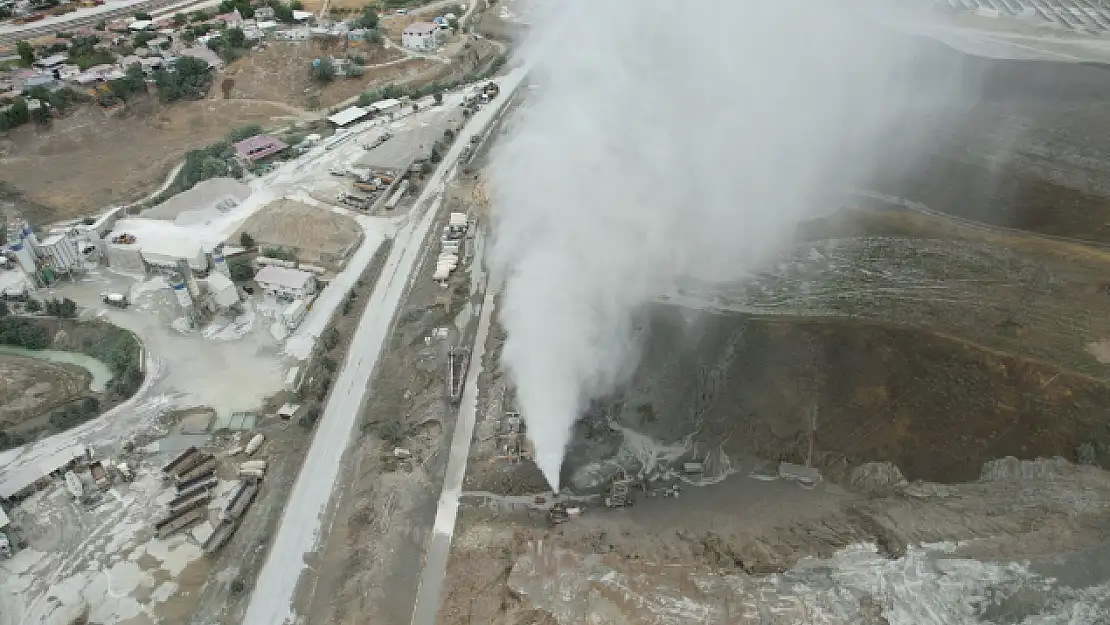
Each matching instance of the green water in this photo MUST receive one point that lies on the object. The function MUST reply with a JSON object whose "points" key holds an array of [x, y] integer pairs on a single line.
{"points": [[101, 374]]}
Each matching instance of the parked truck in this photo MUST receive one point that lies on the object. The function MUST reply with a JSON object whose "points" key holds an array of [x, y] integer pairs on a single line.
{"points": [[119, 300]]}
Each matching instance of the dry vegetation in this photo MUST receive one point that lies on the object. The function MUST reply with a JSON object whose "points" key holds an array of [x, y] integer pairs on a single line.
{"points": [[282, 72], [88, 160]]}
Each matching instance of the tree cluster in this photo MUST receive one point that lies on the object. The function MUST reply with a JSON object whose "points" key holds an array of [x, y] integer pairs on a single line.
{"points": [[63, 309], [22, 332], [75, 414], [189, 80]]}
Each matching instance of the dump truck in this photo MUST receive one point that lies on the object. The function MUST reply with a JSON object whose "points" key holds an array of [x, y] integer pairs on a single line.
{"points": [[240, 499], [179, 462], [207, 467], [180, 520], [119, 300]]}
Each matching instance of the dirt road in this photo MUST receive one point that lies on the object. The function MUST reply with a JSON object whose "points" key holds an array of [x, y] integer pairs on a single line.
{"points": [[301, 525], [435, 563]]}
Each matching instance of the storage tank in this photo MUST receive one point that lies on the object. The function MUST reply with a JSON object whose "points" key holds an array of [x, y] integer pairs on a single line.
{"points": [[28, 235], [220, 262], [181, 292], [24, 256]]}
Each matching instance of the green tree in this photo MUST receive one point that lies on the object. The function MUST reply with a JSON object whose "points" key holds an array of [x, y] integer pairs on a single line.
{"points": [[234, 37], [18, 112], [240, 270], [324, 71], [4, 308], [369, 17], [26, 53], [133, 81], [283, 13], [41, 115], [438, 99], [180, 19], [246, 240], [143, 16], [101, 25], [296, 5], [33, 306], [188, 81]]}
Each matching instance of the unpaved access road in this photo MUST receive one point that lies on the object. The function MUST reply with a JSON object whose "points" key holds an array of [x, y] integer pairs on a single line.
{"points": [[300, 531]]}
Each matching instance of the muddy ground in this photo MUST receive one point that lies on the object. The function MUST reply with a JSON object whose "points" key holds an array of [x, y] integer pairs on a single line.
{"points": [[31, 388]]}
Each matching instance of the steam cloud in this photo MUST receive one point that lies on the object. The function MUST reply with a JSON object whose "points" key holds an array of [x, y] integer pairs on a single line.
{"points": [[666, 141]]}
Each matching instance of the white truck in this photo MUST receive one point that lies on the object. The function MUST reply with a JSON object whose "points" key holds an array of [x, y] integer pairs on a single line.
{"points": [[119, 300]]}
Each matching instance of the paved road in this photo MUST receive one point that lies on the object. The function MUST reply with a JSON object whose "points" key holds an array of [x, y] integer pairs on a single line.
{"points": [[12, 33], [300, 531]]}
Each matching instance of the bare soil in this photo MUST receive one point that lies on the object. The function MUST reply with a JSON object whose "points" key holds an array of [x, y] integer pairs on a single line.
{"points": [[30, 387], [282, 72], [314, 235], [86, 160]]}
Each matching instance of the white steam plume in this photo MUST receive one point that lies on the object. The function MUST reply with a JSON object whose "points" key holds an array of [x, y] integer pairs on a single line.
{"points": [[669, 140]]}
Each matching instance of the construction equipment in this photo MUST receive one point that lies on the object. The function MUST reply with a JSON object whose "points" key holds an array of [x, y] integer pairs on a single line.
{"points": [[618, 496], [351, 199], [119, 300], [369, 187]]}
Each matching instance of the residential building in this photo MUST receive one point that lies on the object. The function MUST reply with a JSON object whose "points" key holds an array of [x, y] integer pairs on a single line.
{"points": [[264, 13], [257, 148], [302, 16], [287, 283], [52, 61], [420, 36], [232, 19], [348, 115]]}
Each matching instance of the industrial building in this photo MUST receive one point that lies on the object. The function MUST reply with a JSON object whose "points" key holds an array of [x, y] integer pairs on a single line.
{"points": [[42, 261], [221, 291], [19, 482], [348, 116], [284, 282], [258, 148]]}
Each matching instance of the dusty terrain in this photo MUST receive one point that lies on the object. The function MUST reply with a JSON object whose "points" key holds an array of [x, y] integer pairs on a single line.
{"points": [[283, 73], [919, 361], [30, 387], [314, 235], [143, 145]]}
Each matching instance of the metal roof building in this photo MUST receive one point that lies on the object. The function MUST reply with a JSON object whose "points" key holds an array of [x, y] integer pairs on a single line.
{"points": [[348, 115]]}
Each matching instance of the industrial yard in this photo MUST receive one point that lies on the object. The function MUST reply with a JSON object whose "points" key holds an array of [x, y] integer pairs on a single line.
{"points": [[203, 305]]}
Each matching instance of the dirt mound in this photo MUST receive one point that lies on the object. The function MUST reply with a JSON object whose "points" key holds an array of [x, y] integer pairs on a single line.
{"points": [[314, 234], [31, 388]]}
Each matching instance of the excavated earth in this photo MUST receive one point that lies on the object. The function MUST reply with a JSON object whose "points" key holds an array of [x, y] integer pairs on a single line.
{"points": [[948, 382]]}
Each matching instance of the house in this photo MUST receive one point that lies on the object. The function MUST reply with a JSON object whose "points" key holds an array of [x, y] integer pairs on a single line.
{"points": [[138, 25], [267, 26], [232, 19], [52, 61], [284, 282], [17, 482], [39, 80], [302, 16], [420, 36], [203, 53], [257, 148], [264, 13], [293, 34]]}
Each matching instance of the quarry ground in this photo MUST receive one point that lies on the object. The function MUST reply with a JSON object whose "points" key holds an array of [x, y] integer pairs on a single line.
{"points": [[903, 346]]}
